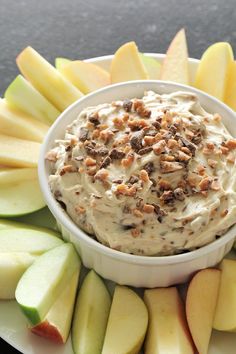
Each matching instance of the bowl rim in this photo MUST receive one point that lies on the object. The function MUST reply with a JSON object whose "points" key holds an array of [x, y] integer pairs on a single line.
{"points": [[68, 223]]}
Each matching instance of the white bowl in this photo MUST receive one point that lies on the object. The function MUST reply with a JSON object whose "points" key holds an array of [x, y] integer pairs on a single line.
{"points": [[138, 271]]}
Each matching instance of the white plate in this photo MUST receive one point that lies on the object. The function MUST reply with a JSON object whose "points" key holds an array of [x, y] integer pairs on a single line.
{"points": [[13, 325]]}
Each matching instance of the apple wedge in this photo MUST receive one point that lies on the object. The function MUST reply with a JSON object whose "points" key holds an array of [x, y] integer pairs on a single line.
{"points": [[44, 281], [200, 306], [212, 72], [230, 90], [175, 65], [20, 125], [127, 323], [127, 65], [46, 79], [57, 323], [152, 66], [18, 250], [87, 77], [22, 95], [21, 198], [91, 315], [16, 175], [168, 330], [18, 152], [60, 62], [225, 313]]}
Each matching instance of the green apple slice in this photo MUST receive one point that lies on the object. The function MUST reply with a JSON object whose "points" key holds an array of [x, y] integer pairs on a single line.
{"points": [[22, 95], [57, 323], [44, 281], [19, 124], [152, 66], [10, 224], [22, 198], [127, 323], [60, 62], [16, 175], [46, 79], [18, 152], [91, 315]]}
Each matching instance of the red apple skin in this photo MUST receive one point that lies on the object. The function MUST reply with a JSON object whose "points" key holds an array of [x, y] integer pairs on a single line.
{"points": [[47, 330]]}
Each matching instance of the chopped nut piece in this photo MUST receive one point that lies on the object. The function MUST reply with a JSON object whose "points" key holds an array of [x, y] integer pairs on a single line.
{"points": [[144, 176], [118, 122], [91, 170], [217, 118], [116, 154], [135, 232], [89, 161], [67, 168], [125, 190], [51, 156], [183, 157], [212, 163], [167, 158], [230, 158], [169, 167], [127, 105], [207, 151], [201, 170], [105, 162], [231, 144], [210, 145], [167, 197], [215, 185], [149, 140], [185, 150], [126, 162], [172, 144], [224, 213], [94, 118], [224, 150], [149, 167], [159, 147], [79, 209], [133, 179], [136, 140], [164, 185], [148, 208], [83, 134], [101, 175], [95, 133], [138, 213], [145, 150], [137, 124], [205, 183], [106, 135]]}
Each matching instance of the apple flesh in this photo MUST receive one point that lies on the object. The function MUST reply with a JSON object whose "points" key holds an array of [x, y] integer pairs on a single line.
{"points": [[127, 65], [46, 79], [44, 280], [60, 62], [200, 306], [87, 77], [175, 64], [152, 66], [57, 323], [127, 323], [230, 90], [212, 72], [91, 315], [19, 247], [16, 175], [19, 124], [18, 152], [168, 330], [22, 95], [21, 198], [225, 313]]}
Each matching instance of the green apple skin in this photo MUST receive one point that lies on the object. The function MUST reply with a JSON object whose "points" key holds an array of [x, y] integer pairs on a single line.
{"points": [[152, 66], [19, 247], [19, 199], [91, 315], [60, 62], [22, 95], [44, 280]]}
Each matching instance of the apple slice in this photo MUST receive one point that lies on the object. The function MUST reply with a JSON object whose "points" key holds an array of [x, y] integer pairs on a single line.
{"points": [[18, 250], [175, 64], [127, 323], [46, 79], [152, 66], [200, 306], [225, 313], [91, 315], [22, 198], [44, 281], [16, 175], [212, 72], [230, 89], [127, 65], [167, 331], [87, 77], [56, 325], [60, 62], [18, 152], [20, 125], [22, 95]]}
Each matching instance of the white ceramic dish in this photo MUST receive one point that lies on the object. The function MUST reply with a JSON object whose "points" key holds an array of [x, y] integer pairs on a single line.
{"points": [[138, 271]]}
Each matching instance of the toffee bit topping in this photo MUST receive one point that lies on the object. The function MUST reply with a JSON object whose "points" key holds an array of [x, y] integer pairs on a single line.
{"points": [[144, 176], [149, 167], [102, 151], [148, 208], [145, 150], [133, 179], [167, 197], [159, 147], [89, 161], [83, 134], [101, 175], [205, 183], [179, 194], [126, 162], [105, 162], [231, 144], [188, 144], [123, 189], [136, 140], [67, 168], [170, 167], [127, 105], [116, 154], [164, 185], [224, 213], [94, 118], [215, 185]]}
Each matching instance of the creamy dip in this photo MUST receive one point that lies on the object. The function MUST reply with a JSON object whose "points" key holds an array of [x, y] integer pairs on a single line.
{"points": [[150, 176]]}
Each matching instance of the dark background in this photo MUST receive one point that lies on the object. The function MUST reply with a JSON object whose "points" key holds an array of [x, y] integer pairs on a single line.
{"points": [[81, 29]]}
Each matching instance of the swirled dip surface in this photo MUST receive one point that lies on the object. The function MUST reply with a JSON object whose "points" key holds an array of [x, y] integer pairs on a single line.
{"points": [[150, 176]]}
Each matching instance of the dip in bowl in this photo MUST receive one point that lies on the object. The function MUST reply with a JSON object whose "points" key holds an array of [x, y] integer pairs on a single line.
{"points": [[143, 181]]}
